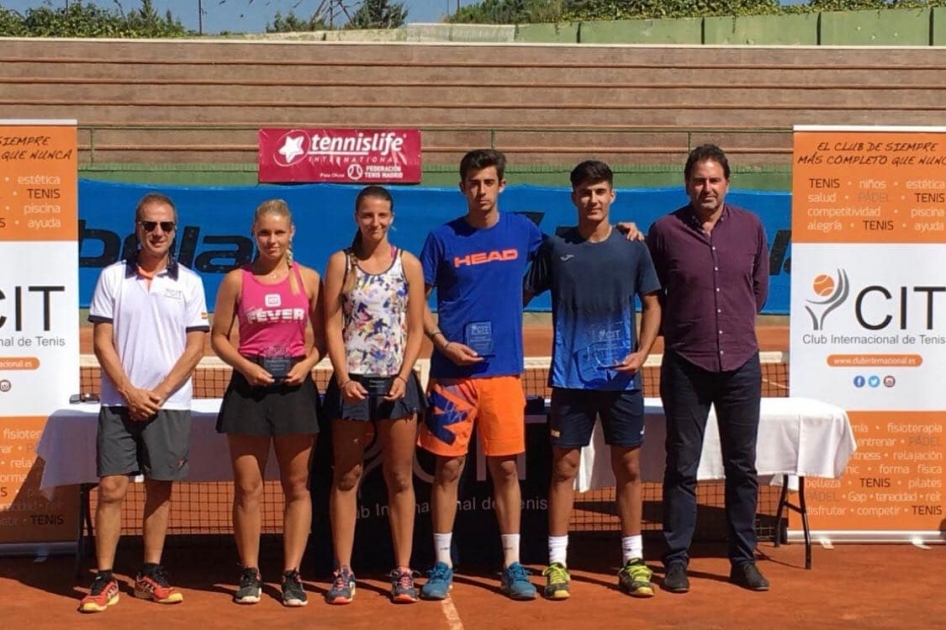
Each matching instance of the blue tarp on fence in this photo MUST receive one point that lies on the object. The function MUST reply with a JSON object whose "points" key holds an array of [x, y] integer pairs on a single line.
{"points": [[214, 232]]}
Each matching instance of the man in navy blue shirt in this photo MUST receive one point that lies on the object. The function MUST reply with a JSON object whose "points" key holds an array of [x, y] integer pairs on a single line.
{"points": [[594, 274], [713, 263]]}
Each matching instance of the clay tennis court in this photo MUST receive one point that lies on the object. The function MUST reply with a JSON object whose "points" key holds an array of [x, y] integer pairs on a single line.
{"points": [[850, 586]]}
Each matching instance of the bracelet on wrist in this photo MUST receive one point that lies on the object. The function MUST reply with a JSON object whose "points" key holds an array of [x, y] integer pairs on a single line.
{"points": [[342, 386], [404, 380], [435, 333]]}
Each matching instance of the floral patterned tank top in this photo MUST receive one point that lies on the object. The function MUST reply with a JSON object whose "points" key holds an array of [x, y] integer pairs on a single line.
{"points": [[375, 319]]}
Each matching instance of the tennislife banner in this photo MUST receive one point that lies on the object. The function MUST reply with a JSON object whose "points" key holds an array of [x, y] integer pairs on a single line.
{"points": [[39, 327], [868, 313], [364, 156]]}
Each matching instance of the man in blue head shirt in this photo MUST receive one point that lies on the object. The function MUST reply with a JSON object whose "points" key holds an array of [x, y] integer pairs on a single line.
{"points": [[476, 264]]}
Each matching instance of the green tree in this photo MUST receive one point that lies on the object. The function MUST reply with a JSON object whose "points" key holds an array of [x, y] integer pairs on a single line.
{"points": [[11, 24], [89, 20], [294, 24], [510, 12], [631, 9], [146, 20], [846, 5], [378, 14]]}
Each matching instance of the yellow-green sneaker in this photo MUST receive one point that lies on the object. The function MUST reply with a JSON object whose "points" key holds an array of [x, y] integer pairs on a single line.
{"points": [[556, 581], [634, 579]]}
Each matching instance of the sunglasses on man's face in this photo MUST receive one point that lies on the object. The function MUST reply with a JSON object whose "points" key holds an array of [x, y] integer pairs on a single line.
{"points": [[149, 226]]}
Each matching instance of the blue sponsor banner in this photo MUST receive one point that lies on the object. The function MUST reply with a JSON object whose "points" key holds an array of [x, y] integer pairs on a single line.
{"points": [[214, 223]]}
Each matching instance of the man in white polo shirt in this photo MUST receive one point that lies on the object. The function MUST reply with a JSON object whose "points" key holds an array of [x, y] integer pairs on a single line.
{"points": [[150, 318]]}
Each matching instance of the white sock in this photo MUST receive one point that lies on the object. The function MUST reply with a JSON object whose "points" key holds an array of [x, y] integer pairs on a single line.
{"points": [[510, 549], [558, 549], [632, 547], [442, 543]]}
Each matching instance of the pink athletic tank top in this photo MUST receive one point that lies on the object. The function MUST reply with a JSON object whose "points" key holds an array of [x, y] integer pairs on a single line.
{"points": [[270, 315]]}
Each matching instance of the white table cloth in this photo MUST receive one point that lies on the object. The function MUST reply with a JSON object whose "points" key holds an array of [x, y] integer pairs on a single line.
{"points": [[797, 436], [68, 446]]}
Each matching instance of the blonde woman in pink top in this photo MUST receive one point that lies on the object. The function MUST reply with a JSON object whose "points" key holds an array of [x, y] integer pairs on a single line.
{"points": [[271, 397]]}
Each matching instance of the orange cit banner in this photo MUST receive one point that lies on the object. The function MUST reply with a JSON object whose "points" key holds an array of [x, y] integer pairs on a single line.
{"points": [[39, 331], [868, 314]]}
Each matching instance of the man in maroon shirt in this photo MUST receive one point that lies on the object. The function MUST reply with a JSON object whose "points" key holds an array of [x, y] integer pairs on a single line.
{"points": [[712, 260]]}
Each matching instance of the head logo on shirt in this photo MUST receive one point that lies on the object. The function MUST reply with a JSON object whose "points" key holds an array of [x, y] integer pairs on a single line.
{"points": [[481, 258], [273, 300]]}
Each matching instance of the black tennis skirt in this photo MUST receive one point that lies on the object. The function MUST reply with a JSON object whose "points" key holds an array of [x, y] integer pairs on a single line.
{"points": [[374, 407], [267, 411]]}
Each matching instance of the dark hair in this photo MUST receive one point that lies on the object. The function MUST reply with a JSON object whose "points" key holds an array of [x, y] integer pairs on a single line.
{"points": [[704, 153], [591, 172], [154, 198], [479, 159], [376, 192]]}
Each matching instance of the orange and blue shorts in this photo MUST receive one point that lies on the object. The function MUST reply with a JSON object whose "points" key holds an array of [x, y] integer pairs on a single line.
{"points": [[496, 405]]}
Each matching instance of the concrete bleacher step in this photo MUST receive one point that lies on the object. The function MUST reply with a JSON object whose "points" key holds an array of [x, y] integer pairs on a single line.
{"points": [[202, 101]]}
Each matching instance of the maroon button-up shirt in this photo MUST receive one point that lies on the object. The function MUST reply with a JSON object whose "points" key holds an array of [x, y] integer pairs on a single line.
{"points": [[714, 285]]}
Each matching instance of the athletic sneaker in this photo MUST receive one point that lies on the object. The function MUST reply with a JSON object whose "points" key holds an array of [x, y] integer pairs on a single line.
{"points": [[515, 582], [293, 593], [556, 581], [102, 594], [634, 578], [343, 587], [154, 585], [439, 582], [251, 585], [402, 587]]}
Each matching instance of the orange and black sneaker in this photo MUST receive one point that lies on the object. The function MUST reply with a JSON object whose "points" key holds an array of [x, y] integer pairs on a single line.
{"points": [[102, 594], [152, 583]]}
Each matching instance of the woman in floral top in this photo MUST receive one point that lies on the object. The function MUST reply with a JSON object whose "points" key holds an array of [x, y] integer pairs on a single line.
{"points": [[374, 309]]}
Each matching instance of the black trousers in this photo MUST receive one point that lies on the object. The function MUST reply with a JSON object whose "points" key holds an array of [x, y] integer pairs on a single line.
{"points": [[687, 392]]}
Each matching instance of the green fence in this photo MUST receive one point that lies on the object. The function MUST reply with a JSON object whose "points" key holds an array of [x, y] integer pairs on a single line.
{"points": [[888, 27]]}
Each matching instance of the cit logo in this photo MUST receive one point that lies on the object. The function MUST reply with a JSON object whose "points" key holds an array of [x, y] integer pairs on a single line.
{"points": [[832, 291], [291, 148]]}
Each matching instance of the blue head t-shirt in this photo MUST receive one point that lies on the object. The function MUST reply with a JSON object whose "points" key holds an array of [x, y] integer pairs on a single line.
{"points": [[478, 276], [593, 289]]}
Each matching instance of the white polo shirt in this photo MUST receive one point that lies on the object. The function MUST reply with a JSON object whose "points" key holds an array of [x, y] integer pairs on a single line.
{"points": [[150, 324]]}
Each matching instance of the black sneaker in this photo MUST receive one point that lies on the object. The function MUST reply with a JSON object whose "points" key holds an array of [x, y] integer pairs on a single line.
{"points": [[293, 593], [251, 585], [747, 575], [675, 579]]}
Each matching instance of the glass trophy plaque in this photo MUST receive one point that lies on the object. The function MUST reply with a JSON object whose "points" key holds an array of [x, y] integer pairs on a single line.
{"points": [[277, 362], [478, 336], [376, 386], [609, 345]]}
